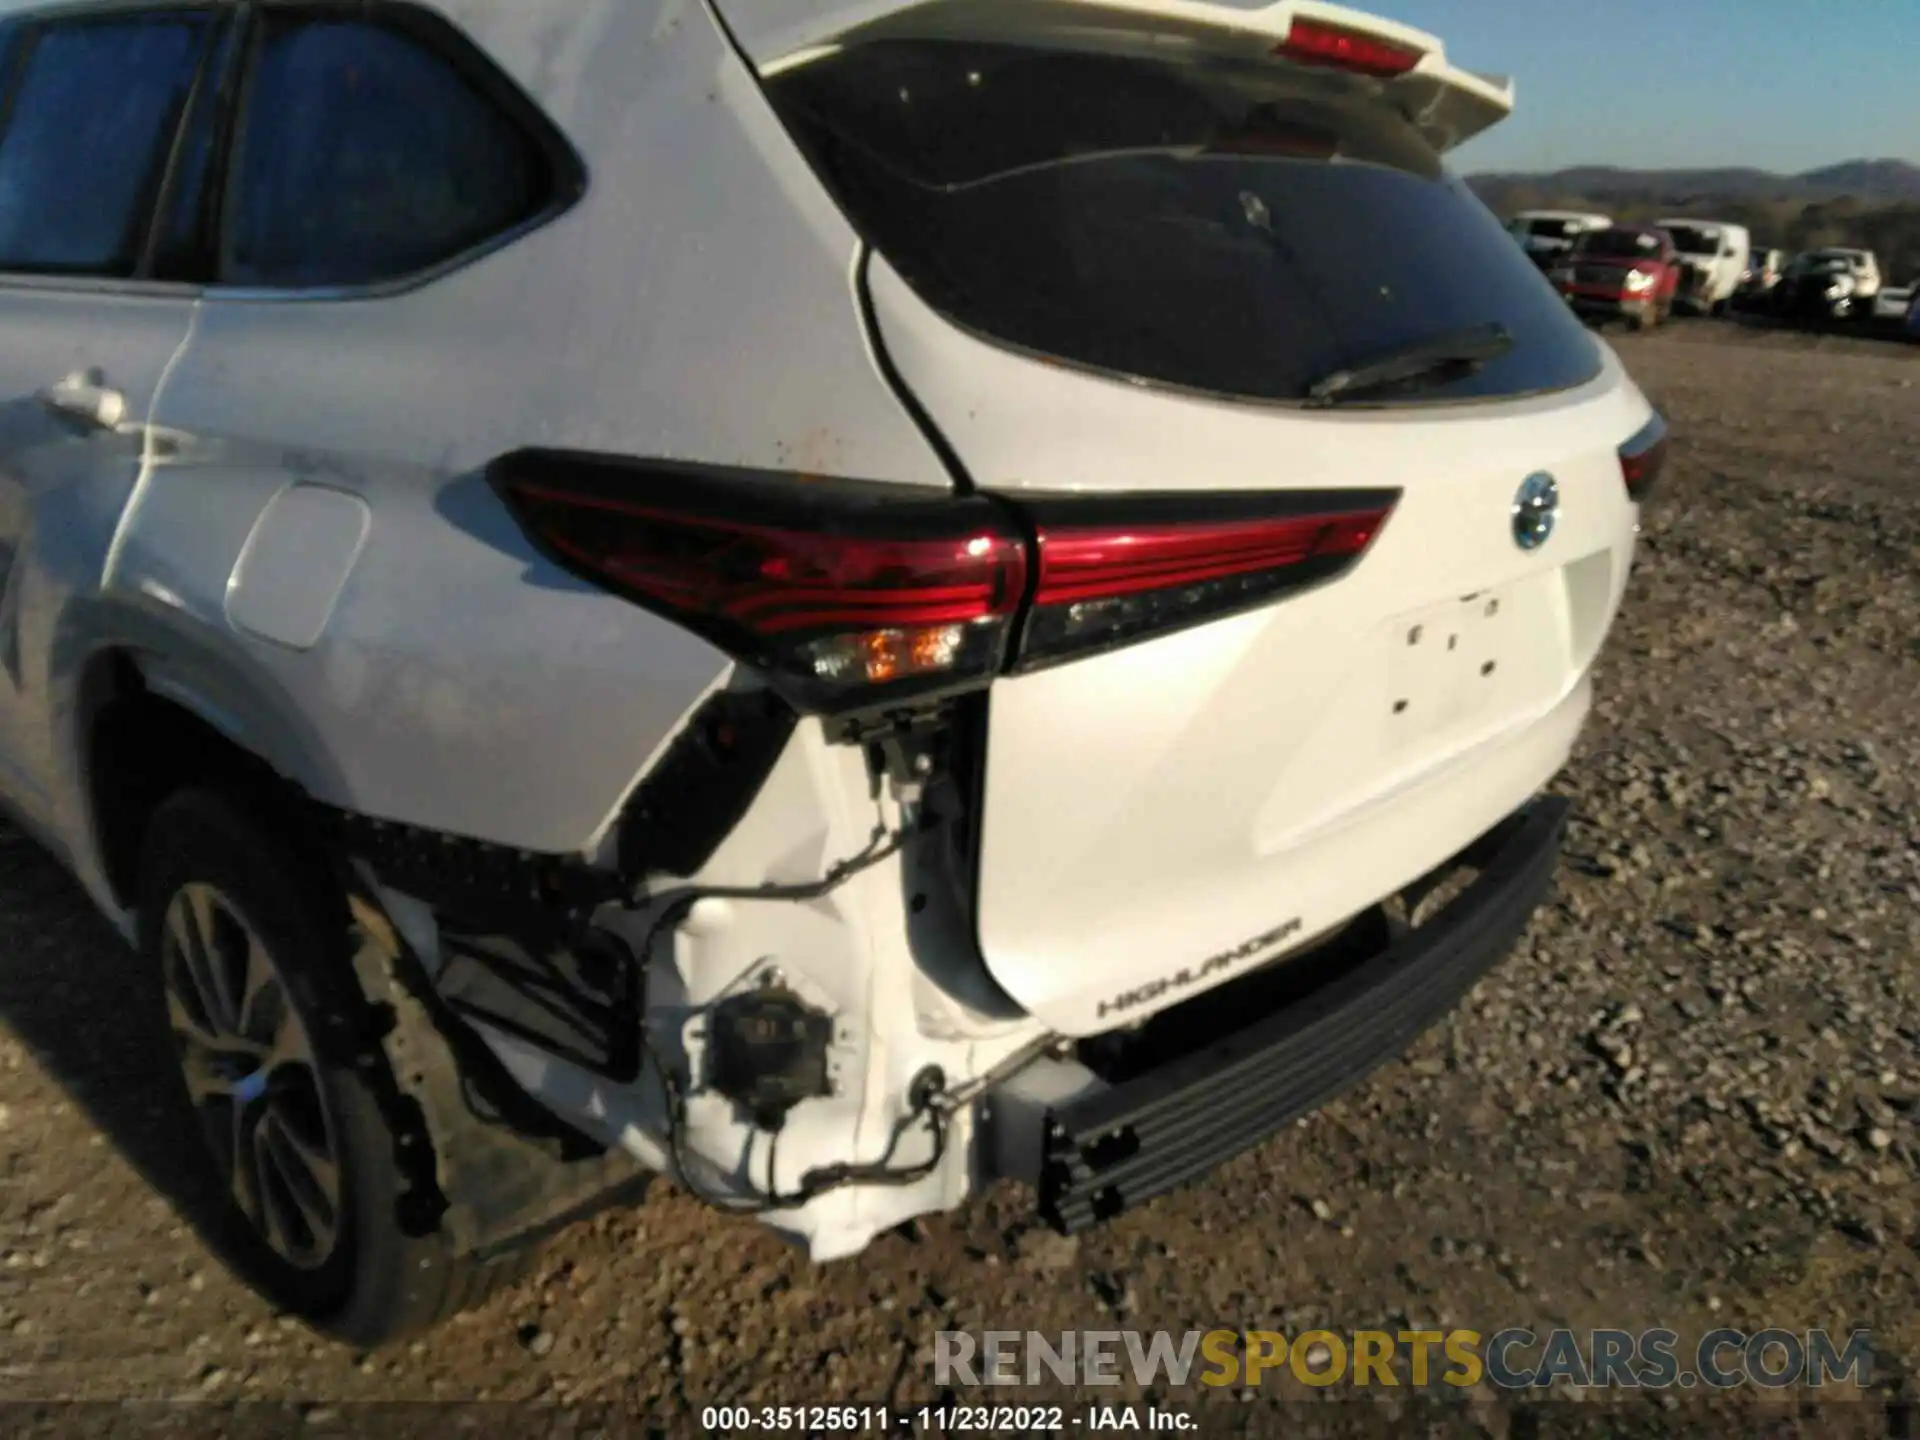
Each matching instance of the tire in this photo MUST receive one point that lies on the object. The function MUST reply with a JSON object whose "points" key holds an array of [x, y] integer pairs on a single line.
{"points": [[329, 1216]]}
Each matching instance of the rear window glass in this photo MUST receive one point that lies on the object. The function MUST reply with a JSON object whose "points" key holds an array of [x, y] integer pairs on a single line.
{"points": [[1238, 229]]}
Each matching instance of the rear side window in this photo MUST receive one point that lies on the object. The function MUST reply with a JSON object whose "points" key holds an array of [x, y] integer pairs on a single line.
{"points": [[366, 154], [87, 121], [1243, 229]]}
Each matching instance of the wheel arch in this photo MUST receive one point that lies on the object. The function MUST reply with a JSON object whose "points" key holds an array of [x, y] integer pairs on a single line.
{"points": [[147, 724]]}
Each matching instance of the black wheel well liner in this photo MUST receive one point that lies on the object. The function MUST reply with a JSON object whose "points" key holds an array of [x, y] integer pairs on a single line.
{"points": [[137, 748]]}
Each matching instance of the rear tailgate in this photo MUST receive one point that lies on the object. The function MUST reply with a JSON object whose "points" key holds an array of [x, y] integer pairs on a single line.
{"points": [[1160, 817], [1113, 259]]}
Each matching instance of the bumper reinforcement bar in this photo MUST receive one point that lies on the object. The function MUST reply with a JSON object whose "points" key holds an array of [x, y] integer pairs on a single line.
{"points": [[1124, 1144]]}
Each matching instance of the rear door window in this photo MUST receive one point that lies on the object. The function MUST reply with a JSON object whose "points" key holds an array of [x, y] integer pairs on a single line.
{"points": [[87, 123], [367, 152], [1241, 229]]}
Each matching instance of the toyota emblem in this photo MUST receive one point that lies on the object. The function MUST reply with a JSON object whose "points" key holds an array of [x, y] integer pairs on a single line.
{"points": [[1536, 509]]}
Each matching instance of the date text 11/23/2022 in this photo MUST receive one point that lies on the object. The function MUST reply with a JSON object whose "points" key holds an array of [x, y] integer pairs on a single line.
{"points": [[937, 1419]]}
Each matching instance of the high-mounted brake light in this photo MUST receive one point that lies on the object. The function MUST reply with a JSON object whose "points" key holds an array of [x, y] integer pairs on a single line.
{"points": [[1643, 458], [1165, 564], [846, 594], [1310, 42]]}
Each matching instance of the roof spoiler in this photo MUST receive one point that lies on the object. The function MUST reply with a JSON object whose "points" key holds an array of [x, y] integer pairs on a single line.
{"points": [[1448, 104]]}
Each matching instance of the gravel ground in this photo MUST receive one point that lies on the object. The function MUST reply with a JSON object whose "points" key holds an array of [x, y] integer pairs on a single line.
{"points": [[1690, 1099]]}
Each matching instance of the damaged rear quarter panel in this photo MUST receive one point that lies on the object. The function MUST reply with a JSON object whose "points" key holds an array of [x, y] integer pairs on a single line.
{"points": [[697, 304]]}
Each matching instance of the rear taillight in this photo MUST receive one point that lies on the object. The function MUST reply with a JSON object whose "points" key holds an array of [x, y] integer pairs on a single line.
{"points": [[1147, 567], [1310, 42], [847, 595], [855, 597], [1643, 458]]}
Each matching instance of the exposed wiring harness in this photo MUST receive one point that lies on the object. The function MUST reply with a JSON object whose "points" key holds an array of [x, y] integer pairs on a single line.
{"points": [[926, 1102], [926, 1096]]}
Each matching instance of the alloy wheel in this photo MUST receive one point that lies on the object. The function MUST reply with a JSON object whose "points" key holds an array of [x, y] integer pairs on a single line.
{"points": [[252, 1076]]}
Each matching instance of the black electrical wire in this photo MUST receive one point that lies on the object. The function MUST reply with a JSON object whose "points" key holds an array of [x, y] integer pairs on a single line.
{"points": [[818, 1182], [882, 846], [814, 1183]]}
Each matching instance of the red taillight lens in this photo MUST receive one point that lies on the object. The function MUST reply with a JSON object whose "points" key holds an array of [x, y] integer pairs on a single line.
{"points": [[1643, 458], [856, 597], [1151, 567], [1311, 43], [846, 594]]}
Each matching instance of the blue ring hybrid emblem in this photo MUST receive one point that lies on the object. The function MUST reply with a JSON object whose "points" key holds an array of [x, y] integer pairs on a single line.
{"points": [[1536, 510]]}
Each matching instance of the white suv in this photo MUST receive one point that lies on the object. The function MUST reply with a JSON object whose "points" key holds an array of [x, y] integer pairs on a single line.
{"points": [[835, 600]]}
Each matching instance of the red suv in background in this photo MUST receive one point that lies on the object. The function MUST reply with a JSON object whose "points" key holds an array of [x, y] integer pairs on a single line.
{"points": [[1629, 271]]}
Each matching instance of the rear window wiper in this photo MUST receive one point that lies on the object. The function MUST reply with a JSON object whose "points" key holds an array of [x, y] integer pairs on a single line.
{"points": [[1449, 353]]}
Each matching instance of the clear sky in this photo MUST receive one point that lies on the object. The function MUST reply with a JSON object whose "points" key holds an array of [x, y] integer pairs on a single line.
{"points": [[1781, 84]]}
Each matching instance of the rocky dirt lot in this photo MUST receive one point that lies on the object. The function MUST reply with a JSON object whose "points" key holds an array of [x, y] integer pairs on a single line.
{"points": [[1692, 1098]]}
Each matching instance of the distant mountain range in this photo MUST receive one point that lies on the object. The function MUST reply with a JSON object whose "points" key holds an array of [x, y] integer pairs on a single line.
{"points": [[1877, 182]]}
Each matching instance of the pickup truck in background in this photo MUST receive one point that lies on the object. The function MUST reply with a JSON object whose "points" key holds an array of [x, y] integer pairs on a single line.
{"points": [[1714, 257], [1629, 272]]}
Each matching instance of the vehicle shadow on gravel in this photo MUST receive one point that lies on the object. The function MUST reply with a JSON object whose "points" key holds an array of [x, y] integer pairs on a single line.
{"points": [[76, 996]]}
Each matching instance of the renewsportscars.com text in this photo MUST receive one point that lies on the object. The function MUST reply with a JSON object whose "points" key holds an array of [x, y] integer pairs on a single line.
{"points": [[1510, 1359]]}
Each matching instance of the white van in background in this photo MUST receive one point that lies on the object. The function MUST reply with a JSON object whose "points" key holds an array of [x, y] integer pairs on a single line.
{"points": [[1714, 257], [1548, 234]]}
